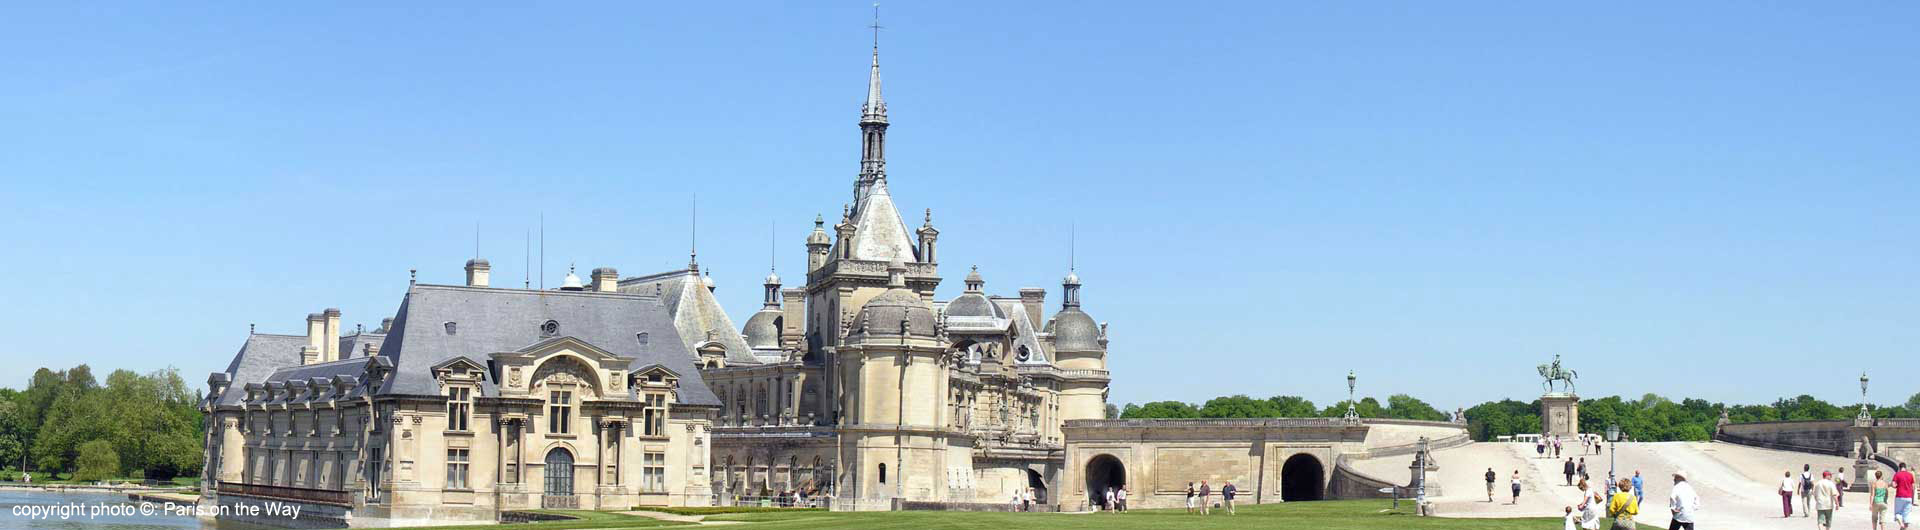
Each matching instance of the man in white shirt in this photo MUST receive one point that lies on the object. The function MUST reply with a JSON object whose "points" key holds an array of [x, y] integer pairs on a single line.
{"points": [[1825, 493], [1683, 502]]}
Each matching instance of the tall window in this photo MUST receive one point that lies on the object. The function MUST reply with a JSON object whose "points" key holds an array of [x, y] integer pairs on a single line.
{"points": [[656, 415], [459, 404], [653, 473], [883, 473], [559, 412], [456, 469]]}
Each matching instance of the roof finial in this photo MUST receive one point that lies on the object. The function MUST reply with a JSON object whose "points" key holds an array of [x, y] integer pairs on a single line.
{"points": [[1073, 244], [413, 275], [693, 239], [249, 328], [929, 217], [772, 247], [876, 31]]}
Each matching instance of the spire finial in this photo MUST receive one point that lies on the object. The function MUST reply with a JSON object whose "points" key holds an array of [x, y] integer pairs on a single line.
{"points": [[929, 217], [876, 32], [1073, 244], [693, 237]]}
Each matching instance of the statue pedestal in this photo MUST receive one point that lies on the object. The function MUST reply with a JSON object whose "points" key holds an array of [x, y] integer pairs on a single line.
{"points": [[1560, 414], [1862, 475]]}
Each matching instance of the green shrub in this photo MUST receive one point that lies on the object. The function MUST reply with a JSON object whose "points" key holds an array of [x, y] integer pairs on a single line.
{"points": [[97, 461]]}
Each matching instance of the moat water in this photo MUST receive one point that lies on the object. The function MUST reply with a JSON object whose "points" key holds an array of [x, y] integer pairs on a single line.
{"points": [[28, 509]]}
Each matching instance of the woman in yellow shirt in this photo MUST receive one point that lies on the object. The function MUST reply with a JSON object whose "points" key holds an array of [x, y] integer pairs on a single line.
{"points": [[1623, 506]]}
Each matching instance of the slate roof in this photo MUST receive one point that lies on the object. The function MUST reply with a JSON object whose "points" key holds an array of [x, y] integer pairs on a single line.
{"points": [[694, 311], [356, 345], [490, 320], [879, 233], [257, 359]]}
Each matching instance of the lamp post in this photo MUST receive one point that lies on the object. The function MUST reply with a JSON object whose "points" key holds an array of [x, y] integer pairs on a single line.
{"points": [[1613, 436], [1353, 415], [1864, 415]]}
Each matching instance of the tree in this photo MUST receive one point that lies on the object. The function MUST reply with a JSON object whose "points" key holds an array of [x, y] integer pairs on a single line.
{"points": [[13, 432], [1292, 407], [1113, 411], [97, 461], [1160, 409], [1237, 406], [1405, 407]]}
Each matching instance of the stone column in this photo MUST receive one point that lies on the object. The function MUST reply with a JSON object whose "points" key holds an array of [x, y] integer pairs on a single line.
{"points": [[799, 386]]}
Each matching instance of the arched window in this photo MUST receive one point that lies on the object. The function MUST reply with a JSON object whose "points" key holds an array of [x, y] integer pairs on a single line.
{"points": [[559, 472]]}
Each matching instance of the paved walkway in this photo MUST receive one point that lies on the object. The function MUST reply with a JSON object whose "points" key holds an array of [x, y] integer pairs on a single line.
{"points": [[1737, 484]]}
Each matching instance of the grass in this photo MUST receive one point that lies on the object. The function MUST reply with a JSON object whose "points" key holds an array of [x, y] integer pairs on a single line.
{"points": [[39, 477], [719, 510], [585, 519], [1329, 515]]}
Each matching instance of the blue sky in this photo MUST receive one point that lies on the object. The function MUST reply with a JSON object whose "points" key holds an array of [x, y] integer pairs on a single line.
{"points": [[1707, 199]]}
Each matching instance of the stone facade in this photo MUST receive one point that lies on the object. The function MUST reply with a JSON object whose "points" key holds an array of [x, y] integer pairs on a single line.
{"points": [[476, 400]]}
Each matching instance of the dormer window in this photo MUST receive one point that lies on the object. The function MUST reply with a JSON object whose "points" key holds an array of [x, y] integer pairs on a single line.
{"points": [[550, 328], [452, 327]]}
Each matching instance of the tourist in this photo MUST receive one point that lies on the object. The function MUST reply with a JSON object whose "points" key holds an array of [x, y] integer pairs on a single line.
{"points": [[1638, 493], [1556, 447], [1787, 485], [1590, 502], [1902, 495], [1568, 470], [1226, 495], [1623, 506], [1206, 506], [1491, 477], [1824, 494], [1026, 500], [1192, 495], [1107, 504], [1015, 504], [1683, 502], [1840, 481], [1806, 490], [1571, 521], [1121, 498], [1583, 470], [1879, 490], [1516, 487], [1540, 447]]}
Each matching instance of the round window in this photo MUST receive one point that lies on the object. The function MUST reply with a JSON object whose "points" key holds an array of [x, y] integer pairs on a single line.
{"points": [[550, 328]]}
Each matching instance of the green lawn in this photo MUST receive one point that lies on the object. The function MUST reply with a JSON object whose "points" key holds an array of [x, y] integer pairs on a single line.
{"points": [[1330, 515]]}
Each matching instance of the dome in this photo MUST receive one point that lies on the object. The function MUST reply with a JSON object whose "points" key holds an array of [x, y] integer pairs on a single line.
{"points": [[883, 314], [1074, 330], [819, 235], [763, 330], [707, 280], [1071, 279], [973, 304], [773, 279], [571, 283]]}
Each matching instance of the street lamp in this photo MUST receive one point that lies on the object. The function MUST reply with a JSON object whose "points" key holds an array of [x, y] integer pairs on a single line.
{"points": [[1613, 436], [1864, 415], [1353, 415]]}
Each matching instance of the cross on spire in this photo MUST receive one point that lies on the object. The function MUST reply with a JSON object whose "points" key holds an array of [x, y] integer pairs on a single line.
{"points": [[876, 26]]}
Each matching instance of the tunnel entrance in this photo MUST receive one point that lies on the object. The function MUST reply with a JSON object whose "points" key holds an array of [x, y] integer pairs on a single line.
{"points": [[1302, 478], [1104, 472]]}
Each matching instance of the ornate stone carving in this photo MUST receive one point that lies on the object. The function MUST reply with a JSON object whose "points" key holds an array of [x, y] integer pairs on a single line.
{"points": [[513, 376]]}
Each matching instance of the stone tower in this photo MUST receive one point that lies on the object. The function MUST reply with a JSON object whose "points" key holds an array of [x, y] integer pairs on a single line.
{"points": [[1080, 350], [895, 434]]}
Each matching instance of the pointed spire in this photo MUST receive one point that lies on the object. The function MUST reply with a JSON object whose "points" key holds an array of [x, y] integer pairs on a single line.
{"points": [[875, 110], [693, 237]]}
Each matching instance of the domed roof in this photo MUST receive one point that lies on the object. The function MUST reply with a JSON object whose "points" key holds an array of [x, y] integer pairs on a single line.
{"points": [[707, 280], [1071, 279], [1074, 330], [973, 304], [773, 278], [883, 314], [819, 235], [571, 283], [763, 330]]}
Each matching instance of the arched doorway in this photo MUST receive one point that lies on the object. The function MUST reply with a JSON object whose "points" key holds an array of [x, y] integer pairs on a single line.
{"points": [[559, 472], [1039, 486], [1104, 472], [1302, 478]]}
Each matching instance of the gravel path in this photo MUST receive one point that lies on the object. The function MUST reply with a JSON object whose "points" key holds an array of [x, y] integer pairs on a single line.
{"points": [[1736, 483]]}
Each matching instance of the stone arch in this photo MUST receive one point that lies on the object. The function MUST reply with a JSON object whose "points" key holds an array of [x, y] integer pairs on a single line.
{"points": [[1039, 486], [1302, 478], [567, 369], [1103, 471]]}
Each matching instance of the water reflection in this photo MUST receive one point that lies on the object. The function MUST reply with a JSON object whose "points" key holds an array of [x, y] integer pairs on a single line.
{"points": [[92, 511]]}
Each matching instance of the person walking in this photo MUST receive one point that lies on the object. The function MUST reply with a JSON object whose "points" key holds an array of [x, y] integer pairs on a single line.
{"points": [[1226, 495], [1825, 497], [1583, 470], [1787, 485], [1638, 492], [1206, 505], [1516, 487], [1026, 500], [1683, 502], [1491, 477], [1591, 504], [1806, 490], [1109, 505], [1880, 496], [1122, 497], [1840, 481], [1192, 494], [1623, 506], [1902, 495], [1568, 469]]}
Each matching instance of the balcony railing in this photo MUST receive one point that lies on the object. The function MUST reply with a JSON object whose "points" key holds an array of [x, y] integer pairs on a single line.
{"points": [[560, 502], [334, 497]]}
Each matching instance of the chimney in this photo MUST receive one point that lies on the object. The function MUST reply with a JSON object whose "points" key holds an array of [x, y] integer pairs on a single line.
{"points": [[477, 272], [793, 309], [386, 324], [1035, 300], [606, 280], [331, 348], [316, 335]]}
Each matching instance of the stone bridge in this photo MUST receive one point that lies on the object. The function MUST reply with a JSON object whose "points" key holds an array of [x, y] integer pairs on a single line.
{"points": [[1887, 441]]}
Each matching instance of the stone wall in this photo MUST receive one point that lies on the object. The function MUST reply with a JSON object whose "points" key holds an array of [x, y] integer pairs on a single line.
{"points": [[1828, 437]]}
